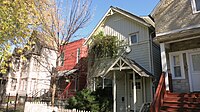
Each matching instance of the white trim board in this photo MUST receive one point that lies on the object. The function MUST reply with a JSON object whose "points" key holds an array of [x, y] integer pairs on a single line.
{"points": [[177, 30], [181, 64], [188, 63]]}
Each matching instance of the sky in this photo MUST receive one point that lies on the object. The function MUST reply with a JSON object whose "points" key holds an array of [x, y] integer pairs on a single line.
{"points": [[100, 7]]}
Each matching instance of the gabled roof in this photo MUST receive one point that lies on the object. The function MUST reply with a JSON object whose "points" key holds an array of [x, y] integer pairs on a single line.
{"points": [[111, 11], [103, 67]]}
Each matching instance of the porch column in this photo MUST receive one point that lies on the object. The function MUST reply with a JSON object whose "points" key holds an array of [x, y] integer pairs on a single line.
{"points": [[114, 92], [94, 84], [134, 92], [164, 64], [126, 91]]}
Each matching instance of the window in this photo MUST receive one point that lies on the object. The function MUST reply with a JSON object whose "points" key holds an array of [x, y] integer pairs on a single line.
{"points": [[133, 39], [78, 55], [62, 57], [196, 6], [176, 66], [196, 62], [13, 84]]}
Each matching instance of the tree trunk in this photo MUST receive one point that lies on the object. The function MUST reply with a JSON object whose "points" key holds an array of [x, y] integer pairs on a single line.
{"points": [[53, 82], [53, 93]]}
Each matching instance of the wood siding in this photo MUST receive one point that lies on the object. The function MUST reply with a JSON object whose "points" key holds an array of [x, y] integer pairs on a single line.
{"points": [[121, 26], [175, 14], [156, 61]]}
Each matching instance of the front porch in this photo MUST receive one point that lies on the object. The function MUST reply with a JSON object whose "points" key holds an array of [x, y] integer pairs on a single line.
{"points": [[181, 59], [131, 84]]}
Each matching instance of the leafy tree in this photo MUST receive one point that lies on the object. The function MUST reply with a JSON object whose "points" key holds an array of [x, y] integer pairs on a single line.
{"points": [[15, 17]]}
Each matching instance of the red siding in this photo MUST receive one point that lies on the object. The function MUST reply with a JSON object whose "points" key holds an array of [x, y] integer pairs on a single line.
{"points": [[70, 54]]}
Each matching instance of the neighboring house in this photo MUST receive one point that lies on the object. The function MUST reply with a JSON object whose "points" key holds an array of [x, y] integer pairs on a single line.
{"points": [[72, 68], [130, 75], [31, 76], [177, 25], [178, 32]]}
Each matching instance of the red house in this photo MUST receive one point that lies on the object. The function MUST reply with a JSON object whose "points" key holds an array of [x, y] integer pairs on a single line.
{"points": [[72, 69]]}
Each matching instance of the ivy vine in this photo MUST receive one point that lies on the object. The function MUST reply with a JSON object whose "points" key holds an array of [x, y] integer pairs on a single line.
{"points": [[104, 46]]}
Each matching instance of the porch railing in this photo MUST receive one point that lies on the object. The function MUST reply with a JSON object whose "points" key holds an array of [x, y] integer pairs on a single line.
{"points": [[67, 92], [159, 96]]}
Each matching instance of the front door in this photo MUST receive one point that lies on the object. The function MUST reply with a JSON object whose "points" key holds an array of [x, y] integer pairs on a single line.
{"points": [[139, 94], [194, 59]]}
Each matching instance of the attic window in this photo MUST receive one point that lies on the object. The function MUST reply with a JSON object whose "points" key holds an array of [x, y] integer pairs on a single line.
{"points": [[196, 6]]}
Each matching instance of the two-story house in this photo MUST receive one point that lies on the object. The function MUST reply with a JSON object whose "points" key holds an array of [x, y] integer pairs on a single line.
{"points": [[31, 76], [177, 28], [72, 68], [130, 74]]}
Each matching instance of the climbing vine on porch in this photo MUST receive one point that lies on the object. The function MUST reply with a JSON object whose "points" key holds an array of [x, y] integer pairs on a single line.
{"points": [[104, 46]]}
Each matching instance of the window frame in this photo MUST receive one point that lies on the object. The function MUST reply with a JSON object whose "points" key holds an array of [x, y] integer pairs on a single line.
{"points": [[130, 35], [194, 8], [171, 59]]}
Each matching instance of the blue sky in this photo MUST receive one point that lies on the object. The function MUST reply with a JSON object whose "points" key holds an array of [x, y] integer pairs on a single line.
{"points": [[99, 8]]}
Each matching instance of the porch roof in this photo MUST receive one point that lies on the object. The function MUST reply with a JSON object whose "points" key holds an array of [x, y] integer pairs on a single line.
{"points": [[104, 66], [66, 72]]}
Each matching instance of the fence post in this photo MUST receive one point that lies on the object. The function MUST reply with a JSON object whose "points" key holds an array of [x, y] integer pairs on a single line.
{"points": [[16, 101], [25, 101], [7, 102]]}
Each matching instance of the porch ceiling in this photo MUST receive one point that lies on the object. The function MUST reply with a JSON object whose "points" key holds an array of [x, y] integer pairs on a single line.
{"points": [[103, 67]]}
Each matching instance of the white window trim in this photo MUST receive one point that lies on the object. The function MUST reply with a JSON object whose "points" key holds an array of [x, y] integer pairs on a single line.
{"points": [[137, 34], [194, 9], [180, 54], [78, 58]]}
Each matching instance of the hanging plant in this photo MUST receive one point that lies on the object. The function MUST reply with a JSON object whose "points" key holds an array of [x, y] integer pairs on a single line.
{"points": [[104, 46]]}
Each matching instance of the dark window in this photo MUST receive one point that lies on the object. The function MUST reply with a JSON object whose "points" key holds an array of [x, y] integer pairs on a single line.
{"points": [[133, 39], [62, 56], [197, 4]]}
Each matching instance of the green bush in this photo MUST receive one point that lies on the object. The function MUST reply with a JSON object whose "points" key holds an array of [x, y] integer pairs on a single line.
{"points": [[98, 101]]}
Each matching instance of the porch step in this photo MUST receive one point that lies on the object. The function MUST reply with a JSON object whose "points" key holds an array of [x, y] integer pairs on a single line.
{"points": [[181, 102], [171, 109], [187, 95], [182, 105]]}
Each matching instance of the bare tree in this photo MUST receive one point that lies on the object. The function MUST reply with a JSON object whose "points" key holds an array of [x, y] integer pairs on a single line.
{"points": [[59, 22]]}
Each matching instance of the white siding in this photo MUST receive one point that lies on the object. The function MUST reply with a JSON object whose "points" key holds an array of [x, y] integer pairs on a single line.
{"points": [[120, 77], [118, 25], [140, 53]]}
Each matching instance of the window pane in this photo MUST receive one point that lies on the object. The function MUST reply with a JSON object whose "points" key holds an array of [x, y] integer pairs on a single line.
{"points": [[133, 39], [197, 5], [62, 58], [177, 71], [176, 60], [196, 62]]}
